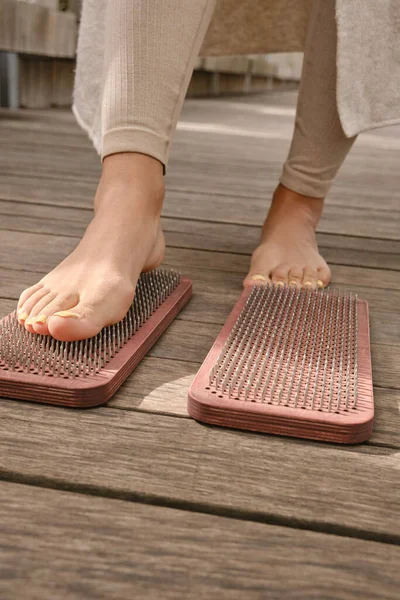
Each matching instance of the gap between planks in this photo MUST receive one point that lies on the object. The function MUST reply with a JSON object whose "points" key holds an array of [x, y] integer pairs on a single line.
{"points": [[45, 218], [213, 556], [176, 462], [331, 207], [47, 248]]}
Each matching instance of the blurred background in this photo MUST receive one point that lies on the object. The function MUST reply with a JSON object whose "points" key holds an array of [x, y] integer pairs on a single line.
{"points": [[37, 59]]}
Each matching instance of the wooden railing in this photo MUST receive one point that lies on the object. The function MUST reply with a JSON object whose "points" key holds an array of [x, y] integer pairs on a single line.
{"points": [[37, 46], [37, 28]]}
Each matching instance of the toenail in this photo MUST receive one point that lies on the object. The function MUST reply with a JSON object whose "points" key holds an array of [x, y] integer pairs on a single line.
{"points": [[280, 283], [65, 313], [41, 319], [29, 321], [293, 283], [24, 316], [307, 284], [320, 283], [259, 278]]}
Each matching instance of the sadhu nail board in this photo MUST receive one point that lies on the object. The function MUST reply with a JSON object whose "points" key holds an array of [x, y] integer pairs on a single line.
{"points": [[88, 372], [290, 362]]}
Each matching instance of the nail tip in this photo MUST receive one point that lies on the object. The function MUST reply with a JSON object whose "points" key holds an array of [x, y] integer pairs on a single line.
{"points": [[41, 319], [258, 278], [65, 314]]}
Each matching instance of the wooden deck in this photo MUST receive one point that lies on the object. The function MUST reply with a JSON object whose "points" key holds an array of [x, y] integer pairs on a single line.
{"points": [[135, 499]]}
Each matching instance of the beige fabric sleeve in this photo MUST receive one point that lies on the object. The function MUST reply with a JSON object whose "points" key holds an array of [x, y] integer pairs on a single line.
{"points": [[151, 48], [319, 145]]}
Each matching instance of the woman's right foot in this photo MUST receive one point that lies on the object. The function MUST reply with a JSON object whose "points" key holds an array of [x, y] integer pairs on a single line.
{"points": [[95, 285], [288, 252]]}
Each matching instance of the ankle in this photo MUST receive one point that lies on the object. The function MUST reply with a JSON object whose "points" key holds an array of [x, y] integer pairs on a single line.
{"points": [[132, 180], [128, 165], [297, 205]]}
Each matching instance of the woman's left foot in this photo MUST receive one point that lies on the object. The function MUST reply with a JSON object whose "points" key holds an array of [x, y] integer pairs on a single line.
{"points": [[95, 285], [288, 252]]}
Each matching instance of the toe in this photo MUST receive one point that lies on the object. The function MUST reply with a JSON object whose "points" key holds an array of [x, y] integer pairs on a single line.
{"points": [[256, 279], [87, 318], [310, 278], [26, 309], [40, 306], [260, 268], [324, 276], [74, 324], [296, 276], [57, 303], [280, 275], [26, 294], [39, 312]]}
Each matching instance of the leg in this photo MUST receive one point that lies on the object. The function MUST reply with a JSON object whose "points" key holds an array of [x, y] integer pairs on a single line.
{"points": [[151, 48], [288, 252]]}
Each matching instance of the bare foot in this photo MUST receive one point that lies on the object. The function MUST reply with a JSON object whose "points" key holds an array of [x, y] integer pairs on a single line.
{"points": [[288, 252], [95, 285]]}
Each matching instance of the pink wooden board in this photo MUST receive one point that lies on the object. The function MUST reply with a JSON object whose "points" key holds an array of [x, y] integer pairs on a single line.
{"points": [[352, 426], [97, 389]]}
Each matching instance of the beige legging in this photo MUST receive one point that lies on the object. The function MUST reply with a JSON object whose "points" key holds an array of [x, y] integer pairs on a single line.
{"points": [[151, 48]]}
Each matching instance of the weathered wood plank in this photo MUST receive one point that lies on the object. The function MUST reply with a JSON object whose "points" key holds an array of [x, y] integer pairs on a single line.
{"points": [[184, 233], [369, 199], [262, 165], [169, 397], [260, 160], [251, 211], [250, 172], [92, 547], [48, 191], [160, 385], [204, 176], [162, 459], [343, 220], [46, 251]]}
